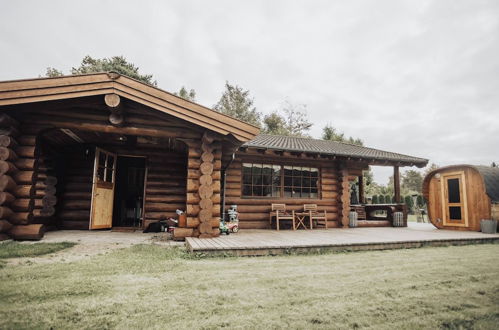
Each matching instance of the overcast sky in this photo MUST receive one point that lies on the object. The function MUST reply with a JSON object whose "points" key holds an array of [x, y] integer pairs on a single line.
{"points": [[416, 77]]}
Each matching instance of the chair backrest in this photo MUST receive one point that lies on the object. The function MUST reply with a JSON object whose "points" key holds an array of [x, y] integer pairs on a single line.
{"points": [[310, 207], [278, 207]]}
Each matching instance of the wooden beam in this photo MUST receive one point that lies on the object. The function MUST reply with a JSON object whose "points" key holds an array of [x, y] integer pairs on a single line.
{"points": [[396, 183], [361, 190]]}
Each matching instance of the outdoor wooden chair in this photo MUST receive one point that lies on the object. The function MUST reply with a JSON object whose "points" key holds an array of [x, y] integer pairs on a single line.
{"points": [[280, 213], [320, 218]]}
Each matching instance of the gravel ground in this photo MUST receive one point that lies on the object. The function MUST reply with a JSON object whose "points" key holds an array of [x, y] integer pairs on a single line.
{"points": [[92, 243]]}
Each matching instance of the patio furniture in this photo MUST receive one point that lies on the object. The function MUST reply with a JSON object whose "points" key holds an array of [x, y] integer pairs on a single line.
{"points": [[320, 218], [300, 220], [280, 213]]}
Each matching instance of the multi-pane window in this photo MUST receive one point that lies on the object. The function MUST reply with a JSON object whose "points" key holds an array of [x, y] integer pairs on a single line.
{"points": [[300, 182], [267, 180], [261, 180]]}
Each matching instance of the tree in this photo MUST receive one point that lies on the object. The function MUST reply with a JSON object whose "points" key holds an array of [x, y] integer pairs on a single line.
{"points": [[117, 64], [430, 168], [330, 133], [290, 120], [375, 199], [412, 180], [275, 124], [494, 164], [52, 72], [236, 103], [187, 95], [420, 201], [409, 202], [381, 199]]}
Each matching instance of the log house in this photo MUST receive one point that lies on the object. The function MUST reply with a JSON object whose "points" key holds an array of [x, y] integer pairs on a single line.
{"points": [[103, 150]]}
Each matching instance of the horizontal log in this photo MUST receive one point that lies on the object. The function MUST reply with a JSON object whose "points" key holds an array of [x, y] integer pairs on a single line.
{"points": [[165, 191], [8, 141], [27, 232], [159, 215], [75, 195], [325, 181], [329, 194], [5, 226], [24, 177], [165, 184], [65, 215], [7, 154], [7, 183], [6, 198], [26, 152], [325, 188], [76, 204], [77, 187], [24, 191], [75, 225], [182, 233], [27, 140], [25, 163], [23, 205], [193, 210], [172, 176], [164, 207], [21, 218], [166, 199], [107, 128]]}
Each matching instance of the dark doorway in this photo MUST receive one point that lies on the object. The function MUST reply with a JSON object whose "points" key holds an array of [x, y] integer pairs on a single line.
{"points": [[129, 194]]}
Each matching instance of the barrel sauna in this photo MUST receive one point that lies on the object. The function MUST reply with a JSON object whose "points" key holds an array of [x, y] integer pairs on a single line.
{"points": [[459, 196]]}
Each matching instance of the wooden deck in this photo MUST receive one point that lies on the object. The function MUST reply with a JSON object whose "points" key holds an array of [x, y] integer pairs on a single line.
{"points": [[272, 242]]}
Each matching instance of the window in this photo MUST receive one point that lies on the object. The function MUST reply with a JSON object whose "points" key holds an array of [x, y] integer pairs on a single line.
{"points": [[267, 180]]}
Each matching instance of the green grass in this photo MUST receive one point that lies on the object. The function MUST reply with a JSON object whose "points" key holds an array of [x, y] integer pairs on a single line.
{"points": [[15, 249], [148, 286]]}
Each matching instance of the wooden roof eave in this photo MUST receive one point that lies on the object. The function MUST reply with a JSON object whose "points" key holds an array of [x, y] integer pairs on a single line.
{"points": [[367, 160], [47, 89]]}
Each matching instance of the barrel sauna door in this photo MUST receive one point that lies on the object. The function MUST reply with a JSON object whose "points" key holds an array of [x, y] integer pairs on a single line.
{"points": [[101, 214], [454, 207]]}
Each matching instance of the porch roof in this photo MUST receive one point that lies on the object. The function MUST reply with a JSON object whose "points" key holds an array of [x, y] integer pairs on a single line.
{"points": [[67, 87], [333, 148]]}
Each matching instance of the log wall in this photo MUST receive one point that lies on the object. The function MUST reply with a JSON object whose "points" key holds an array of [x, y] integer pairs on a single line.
{"points": [[254, 212]]}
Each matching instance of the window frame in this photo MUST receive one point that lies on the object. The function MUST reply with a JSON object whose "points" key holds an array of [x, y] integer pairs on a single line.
{"points": [[281, 183]]}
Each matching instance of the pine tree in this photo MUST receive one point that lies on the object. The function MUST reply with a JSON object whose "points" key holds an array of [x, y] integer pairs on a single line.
{"points": [[381, 199], [375, 199], [237, 103]]}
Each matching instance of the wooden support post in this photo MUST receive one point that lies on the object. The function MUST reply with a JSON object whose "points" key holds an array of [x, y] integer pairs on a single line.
{"points": [[345, 198], [396, 183], [361, 190]]}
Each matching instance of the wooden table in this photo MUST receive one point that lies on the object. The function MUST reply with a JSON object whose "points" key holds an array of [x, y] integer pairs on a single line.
{"points": [[300, 217]]}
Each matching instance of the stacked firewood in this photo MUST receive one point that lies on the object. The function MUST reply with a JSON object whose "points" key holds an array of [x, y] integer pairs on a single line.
{"points": [[17, 175]]}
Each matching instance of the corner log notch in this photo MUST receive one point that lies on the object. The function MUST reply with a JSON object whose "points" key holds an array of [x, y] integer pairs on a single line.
{"points": [[18, 177], [203, 189]]}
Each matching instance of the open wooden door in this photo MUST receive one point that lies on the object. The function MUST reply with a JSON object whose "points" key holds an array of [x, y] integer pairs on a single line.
{"points": [[101, 213], [454, 206]]}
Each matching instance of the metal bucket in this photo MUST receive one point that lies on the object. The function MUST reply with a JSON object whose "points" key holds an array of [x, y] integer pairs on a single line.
{"points": [[352, 219], [488, 226], [398, 219]]}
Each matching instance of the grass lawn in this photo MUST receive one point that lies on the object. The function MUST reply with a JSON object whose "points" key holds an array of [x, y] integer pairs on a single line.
{"points": [[147, 286], [15, 249]]}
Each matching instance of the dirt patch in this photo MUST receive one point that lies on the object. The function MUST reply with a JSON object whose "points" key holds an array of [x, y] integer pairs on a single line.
{"points": [[91, 243]]}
